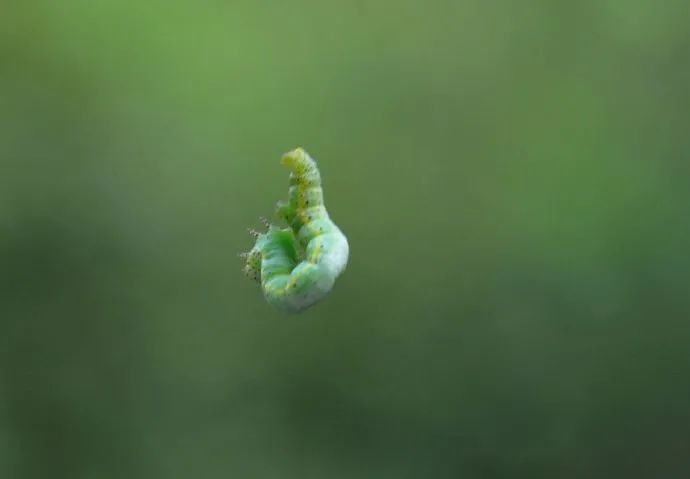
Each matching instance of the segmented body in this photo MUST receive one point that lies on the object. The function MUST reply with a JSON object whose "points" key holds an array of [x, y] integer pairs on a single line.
{"points": [[297, 266]]}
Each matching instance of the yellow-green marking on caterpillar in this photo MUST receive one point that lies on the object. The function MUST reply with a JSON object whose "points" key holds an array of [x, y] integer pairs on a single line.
{"points": [[297, 266]]}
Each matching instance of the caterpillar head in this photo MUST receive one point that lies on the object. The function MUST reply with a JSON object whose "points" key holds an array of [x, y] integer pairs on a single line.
{"points": [[297, 160]]}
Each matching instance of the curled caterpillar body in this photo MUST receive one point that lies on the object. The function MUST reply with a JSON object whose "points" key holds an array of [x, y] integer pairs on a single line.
{"points": [[297, 266]]}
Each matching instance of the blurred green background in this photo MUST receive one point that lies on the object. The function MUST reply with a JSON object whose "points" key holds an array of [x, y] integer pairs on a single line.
{"points": [[513, 180]]}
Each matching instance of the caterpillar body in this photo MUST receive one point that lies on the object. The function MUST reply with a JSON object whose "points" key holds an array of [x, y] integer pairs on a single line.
{"points": [[297, 266]]}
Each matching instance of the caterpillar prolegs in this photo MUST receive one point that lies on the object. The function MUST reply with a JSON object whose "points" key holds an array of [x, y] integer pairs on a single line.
{"points": [[297, 266]]}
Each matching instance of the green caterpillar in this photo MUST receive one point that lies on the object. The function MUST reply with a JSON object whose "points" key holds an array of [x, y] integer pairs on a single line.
{"points": [[297, 266]]}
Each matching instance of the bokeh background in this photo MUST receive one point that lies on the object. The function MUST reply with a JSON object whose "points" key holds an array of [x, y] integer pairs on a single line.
{"points": [[513, 179]]}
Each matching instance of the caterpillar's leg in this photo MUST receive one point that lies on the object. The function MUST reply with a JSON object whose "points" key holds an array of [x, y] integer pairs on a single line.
{"points": [[288, 213], [274, 253], [285, 212], [278, 256]]}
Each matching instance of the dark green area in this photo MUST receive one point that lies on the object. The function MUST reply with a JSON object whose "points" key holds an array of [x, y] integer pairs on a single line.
{"points": [[513, 178]]}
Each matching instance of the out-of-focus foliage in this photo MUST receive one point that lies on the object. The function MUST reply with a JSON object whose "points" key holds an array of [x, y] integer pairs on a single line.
{"points": [[513, 179]]}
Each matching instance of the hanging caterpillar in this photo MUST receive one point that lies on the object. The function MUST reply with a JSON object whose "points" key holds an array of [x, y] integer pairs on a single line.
{"points": [[297, 266]]}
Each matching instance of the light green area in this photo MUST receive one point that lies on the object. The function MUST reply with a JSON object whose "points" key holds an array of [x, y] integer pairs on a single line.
{"points": [[513, 178], [297, 266]]}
